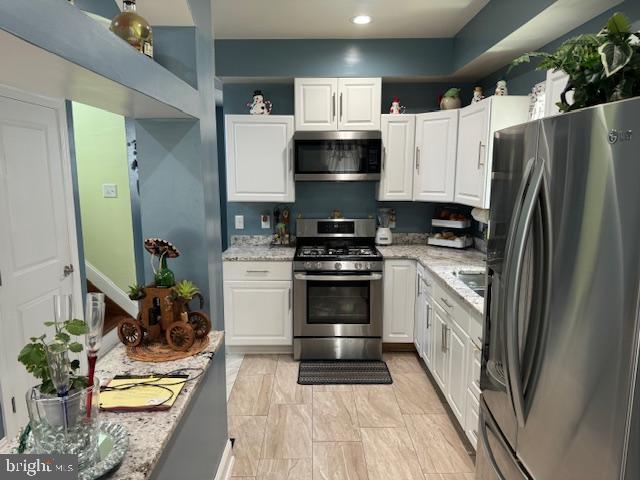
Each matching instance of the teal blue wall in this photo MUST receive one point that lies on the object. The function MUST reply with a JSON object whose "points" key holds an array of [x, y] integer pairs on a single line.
{"points": [[522, 79]]}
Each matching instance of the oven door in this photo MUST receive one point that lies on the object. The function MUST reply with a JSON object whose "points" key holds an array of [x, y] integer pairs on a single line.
{"points": [[337, 305]]}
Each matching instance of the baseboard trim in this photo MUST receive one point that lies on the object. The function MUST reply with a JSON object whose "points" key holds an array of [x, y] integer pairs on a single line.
{"points": [[398, 347], [260, 349], [225, 469], [111, 290]]}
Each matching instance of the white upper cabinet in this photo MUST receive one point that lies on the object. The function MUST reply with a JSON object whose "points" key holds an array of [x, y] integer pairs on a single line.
{"points": [[396, 181], [435, 165], [325, 104], [316, 104], [359, 103], [477, 124], [259, 158], [555, 85]]}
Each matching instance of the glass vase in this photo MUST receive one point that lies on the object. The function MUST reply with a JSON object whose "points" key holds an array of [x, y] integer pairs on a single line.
{"points": [[66, 424], [164, 277]]}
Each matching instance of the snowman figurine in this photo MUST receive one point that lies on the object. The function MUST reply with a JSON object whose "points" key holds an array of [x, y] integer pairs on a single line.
{"points": [[477, 95], [396, 108], [501, 88], [259, 106]]}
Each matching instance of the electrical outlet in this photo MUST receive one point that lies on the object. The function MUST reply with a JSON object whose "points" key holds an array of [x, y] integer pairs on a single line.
{"points": [[109, 190], [239, 222], [265, 221]]}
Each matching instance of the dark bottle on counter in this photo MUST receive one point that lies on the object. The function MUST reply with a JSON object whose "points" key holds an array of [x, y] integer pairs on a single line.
{"points": [[155, 313]]}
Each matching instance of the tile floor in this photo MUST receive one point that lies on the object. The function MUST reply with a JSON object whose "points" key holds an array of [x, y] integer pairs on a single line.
{"points": [[286, 431]]}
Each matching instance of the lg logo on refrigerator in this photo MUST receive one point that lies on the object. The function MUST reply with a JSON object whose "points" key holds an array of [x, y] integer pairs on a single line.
{"points": [[616, 136]]}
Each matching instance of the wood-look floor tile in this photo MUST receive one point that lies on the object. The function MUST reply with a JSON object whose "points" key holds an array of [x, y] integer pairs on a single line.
{"points": [[389, 454], [248, 432], [250, 395], [449, 476], [415, 394], [288, 433], [339, 461], [437, 444], [403, 363], [285, 385], [333, 388], [258, 365], [377, 406], [285, 469], [335, 417]]}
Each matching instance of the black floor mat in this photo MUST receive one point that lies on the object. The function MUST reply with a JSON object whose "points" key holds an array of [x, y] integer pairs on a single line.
{"points": [[343, 372]]}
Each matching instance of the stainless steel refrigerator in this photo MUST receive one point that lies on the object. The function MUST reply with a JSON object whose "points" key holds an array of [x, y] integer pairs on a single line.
{"points": [[560, 393]]}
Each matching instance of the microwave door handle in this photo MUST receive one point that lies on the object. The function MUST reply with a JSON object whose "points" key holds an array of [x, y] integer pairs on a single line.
{"points": [[333, 107], [514, 278], [338, 278]]}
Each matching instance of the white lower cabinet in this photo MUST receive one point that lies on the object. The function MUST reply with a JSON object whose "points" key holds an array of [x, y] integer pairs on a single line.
{"points": [[258, 303], [455, 340], [440, 364], [428, 342], [472, 418], [399, 301], [420, 313]]}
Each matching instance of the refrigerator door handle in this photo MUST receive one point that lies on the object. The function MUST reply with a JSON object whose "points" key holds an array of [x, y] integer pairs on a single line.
{"points": [[514, 275], [488, 452]]}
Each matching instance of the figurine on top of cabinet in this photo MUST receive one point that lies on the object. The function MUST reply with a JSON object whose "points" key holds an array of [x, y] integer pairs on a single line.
{"points": [[396, 108], [259, 106], [477, 95], [501, 88]]}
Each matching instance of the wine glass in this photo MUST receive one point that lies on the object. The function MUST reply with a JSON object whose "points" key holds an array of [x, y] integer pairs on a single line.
{"points": [[62, 309], [95, 322]]}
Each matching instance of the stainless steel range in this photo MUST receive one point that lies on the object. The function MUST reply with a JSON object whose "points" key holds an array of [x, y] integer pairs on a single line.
{"points": [[337, 291]]}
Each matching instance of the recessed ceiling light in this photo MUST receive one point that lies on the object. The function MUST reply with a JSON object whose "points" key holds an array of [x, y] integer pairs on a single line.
{"points": [[361, 19]]}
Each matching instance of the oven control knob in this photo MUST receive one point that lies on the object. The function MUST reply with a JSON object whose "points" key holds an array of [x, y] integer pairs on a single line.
{"points": [[308, 265], [318, 265], [358, 266], [368, 266], [338, 266]]}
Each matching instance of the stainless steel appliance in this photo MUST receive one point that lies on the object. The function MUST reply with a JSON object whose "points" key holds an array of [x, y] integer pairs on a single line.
{"points": [[337, 291], [338, 156], [560, 395]]}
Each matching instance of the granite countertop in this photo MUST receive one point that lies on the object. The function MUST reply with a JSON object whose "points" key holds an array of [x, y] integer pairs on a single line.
{"points": [[149, 432], [258, 253], [442, 263]]}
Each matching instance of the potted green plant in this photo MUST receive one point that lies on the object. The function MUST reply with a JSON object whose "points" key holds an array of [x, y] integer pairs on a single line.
{"points": [[136, 291], [602, 68], [183, 292]]}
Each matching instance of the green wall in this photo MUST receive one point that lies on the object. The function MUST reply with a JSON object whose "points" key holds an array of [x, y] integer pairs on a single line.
{"points": [[101, 156]]}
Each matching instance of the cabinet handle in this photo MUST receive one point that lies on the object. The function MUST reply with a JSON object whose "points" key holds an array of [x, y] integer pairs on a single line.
{"points": [[444, 300], [428, 317], [384, 157], [341, 106], [257, 271], [333, 106], [480, 162], [289, 299], [291, 159], [442, 339], [446, 339], [418, 158]]}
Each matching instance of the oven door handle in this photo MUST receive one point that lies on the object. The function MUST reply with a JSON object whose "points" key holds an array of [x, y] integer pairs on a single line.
{"points": [[338, 278]]}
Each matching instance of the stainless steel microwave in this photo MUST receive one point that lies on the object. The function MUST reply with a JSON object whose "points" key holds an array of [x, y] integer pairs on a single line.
{"points": [[338, 156]]}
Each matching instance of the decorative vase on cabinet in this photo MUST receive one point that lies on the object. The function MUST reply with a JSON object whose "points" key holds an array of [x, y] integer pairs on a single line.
{"points": [[133, 29]]}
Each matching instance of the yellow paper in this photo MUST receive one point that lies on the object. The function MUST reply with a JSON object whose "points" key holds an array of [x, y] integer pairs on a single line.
{"points": [[141, 396]]}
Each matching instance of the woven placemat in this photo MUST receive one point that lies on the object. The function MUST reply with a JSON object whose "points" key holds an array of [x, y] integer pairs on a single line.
{"points": [[161, 352]]}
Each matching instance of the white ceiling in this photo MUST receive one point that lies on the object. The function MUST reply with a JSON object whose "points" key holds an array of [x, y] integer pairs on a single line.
{"points": [[256, 19]]}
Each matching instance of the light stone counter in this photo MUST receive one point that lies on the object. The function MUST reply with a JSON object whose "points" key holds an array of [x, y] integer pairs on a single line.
{"points": [[442, 263], [258, 253]]}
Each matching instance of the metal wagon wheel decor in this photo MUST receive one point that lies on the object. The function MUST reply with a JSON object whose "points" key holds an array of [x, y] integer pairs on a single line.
{"points": [[130, 332], [200, 323], [180, 336]]}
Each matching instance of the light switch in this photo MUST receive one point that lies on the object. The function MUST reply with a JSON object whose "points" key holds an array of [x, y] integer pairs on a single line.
{"points": [[239, 222], [265, 221], [109, 190]]}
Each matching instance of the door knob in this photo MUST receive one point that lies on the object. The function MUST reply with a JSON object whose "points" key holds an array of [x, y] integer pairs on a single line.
{"points": [[68, 270]]}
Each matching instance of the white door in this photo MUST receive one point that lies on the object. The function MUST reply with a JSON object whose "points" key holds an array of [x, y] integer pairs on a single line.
{"points": [[316, 103], [473, 137], [456, 341], [359, 103], [555, 85], [399, 300], [258, 312], [37, 238], [259, 158], [436, 143], [396, 181], [420, 314], [440, 356], [428, 343]]}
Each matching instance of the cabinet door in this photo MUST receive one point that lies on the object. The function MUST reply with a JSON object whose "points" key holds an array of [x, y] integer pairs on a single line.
{"points": [[456, 341], [420, 314], [398, 135], [435, 165], [471, 165], [428, 342], [258, 313], [259, 158], [316, 103], [399, 300], [472, 418], [439, 369], [359, 103]]}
